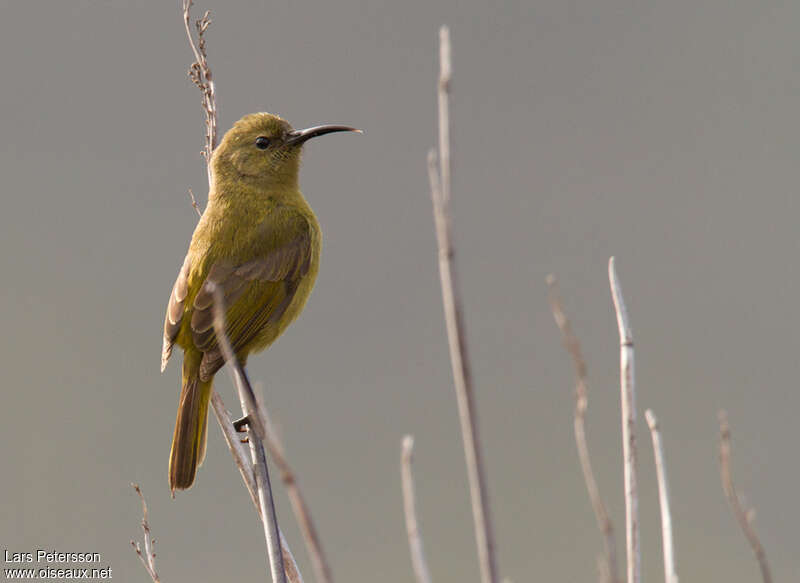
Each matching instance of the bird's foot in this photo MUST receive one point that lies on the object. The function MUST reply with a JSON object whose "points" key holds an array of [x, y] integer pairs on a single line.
{"points": [[242, 424]]}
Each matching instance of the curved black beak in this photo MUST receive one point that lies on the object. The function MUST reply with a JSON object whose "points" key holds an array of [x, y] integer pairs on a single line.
{"points": [[297, 137]]}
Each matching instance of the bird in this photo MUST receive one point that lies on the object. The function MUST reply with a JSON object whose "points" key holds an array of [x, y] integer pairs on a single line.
{"points": [[259, 243]]}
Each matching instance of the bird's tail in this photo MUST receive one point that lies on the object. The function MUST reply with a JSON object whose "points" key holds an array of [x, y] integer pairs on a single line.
{"points": [[189, 440]]}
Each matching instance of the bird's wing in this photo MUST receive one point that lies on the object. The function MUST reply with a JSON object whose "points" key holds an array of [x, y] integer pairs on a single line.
{"points": [[256, 295], [174, 316]]}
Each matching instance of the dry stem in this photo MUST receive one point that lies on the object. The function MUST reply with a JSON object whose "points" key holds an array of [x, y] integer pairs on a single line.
{"points": [[670, 574], [459, 358], [194, 203], [572, 344], [289, 564], [258, 457], [200, 74], [410, 511], [628, 398], [744, 516], [242, 459], [319, 562], [148, 556]]}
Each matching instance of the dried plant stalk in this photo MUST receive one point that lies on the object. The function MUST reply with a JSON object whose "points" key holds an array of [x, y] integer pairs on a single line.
{"points": [[200, 74], [418, 561], [242, 459], [451, 298], [670, 574], [147, 556], [195, 206], [744, 516], [609, 570], [319, 562], [249, 405], [628, 398]]}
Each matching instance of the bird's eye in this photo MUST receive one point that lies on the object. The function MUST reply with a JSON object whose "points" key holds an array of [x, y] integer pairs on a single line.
{"points": [[262, 143]]}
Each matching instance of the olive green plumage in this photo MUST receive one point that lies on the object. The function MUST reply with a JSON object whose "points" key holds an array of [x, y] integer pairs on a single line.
{"points": [[259, 242]]}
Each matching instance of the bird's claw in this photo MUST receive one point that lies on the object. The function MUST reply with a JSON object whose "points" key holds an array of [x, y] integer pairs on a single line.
{"points": [[241, 425]]}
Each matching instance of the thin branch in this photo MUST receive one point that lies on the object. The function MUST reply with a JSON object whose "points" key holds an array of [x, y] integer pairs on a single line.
{"points": [[242, 459], [259, 460], [744, 516], [322, 570], [572, 344], [147, 556], [443, 95], [200, 74], [603, 573], [239, 451], [628, 398], [410, 511], [289, 564], [194, 203], [459, 358], [670, 574]]}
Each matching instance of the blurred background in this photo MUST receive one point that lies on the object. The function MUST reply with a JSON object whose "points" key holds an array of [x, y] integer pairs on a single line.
{"points": [[665, 134]]}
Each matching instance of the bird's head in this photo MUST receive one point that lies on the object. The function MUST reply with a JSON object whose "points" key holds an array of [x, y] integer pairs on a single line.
{"points": [[264, 147]]}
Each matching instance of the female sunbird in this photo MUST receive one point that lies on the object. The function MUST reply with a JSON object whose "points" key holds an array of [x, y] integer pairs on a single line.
{"points": [[259, 242]]}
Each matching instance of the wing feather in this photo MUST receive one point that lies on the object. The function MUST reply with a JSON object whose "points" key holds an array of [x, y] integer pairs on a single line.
{"points": [[257, 293], [175, 309]]}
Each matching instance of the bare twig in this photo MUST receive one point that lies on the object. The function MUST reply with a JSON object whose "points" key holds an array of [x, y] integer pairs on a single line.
{"points": [[459, 358], [147, 556], [628, 398], [200, 74], [603, 573], [289, 564], [238, 450], [670, 574], [572, 344], [410, 510], [319, 562], [275, 447], [194, 203], [242, 459], [744, 516], [443, 95], [259, 460]]}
